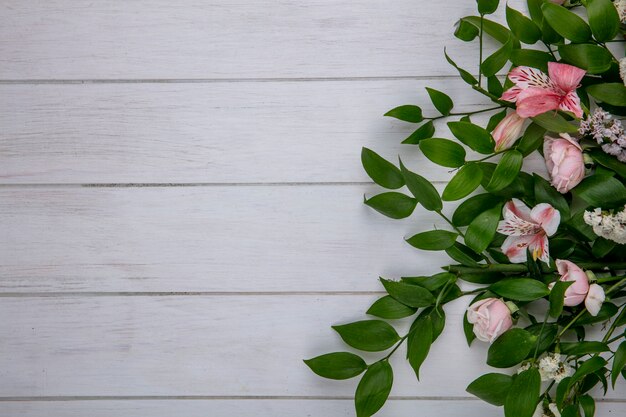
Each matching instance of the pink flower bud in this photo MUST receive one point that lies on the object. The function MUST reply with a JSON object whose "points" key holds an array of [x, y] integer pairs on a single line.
{"points": [[564, 159], [490, 317], [575, 293], [508, 131]]}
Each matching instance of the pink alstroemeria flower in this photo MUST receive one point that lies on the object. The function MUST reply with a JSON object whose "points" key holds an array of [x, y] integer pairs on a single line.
{"points": [[536, 93], [528, 229]]}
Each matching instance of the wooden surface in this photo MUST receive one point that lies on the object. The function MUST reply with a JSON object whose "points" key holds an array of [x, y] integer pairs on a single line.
{"points": [[181, 203]]}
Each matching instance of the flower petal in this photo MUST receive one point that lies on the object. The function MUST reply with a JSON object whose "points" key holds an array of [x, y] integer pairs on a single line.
{"points": [[571, 103], [538, 246], [547, 217], [595, 298], [518, 208], [526, 77], [535, 101], [514, 247], [511, 94], [566, 77]]}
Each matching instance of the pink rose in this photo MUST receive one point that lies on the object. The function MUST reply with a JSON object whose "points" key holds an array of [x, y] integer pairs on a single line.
{"points": [[575, 293], [508, 131], [490, 317], [564, 159]]}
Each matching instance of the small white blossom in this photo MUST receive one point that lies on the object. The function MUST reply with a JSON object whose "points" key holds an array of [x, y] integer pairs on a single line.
{"points": [[607, 131], [549, 410], [611, 226], [620, 5], [552, 367], [622, 69], [523, 367]]}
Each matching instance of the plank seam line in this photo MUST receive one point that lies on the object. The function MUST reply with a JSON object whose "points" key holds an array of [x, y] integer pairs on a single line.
{"points": [[240, 397], [223, 80], [193, 184], [182, 293]]}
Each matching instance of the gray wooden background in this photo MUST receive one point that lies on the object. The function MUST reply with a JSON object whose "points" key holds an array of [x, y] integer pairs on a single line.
{"points": [[181, 203]]}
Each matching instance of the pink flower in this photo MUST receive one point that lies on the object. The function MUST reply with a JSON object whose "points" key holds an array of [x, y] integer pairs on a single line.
{"points": [[508, 131], [528, 230], [536, 93], [595, 298], [490, 317], [564, 159], [575, 293]]}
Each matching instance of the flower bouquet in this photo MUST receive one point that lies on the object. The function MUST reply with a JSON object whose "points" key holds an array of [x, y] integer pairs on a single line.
{"points": [[542, 257]]}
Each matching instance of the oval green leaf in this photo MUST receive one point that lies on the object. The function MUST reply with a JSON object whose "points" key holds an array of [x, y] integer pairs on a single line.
{"points": [[482, 229], [523, 395], [492, 388], [443, 152], [410, 295], [520, 289], [392, 204], [474, 136], [433, 240], [566, 23], [524, 29], [442, 102], [609, 93], [511, 348], [592, 58], [337, 365], [381, 171], [464, 182], [406, 113], [506, 171], [368, 335], [603, 19], [373, 389]]}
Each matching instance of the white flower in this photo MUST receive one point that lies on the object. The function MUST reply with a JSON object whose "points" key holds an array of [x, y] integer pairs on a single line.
{"points": [[550, 410], [607, 131], [551, 367], [595, 298], [622, 69], [620, 5], [524, 367], [611, 226]]}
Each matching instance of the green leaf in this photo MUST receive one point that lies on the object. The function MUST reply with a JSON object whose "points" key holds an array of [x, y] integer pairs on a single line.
{"points": [[406, 113], [410, 295], [368, 335], [438, 319], [520, 289], [466, 180], [443, 152], [583, 348], [531, 140], [495, 88], [494, 62], [566, 23], [607, 311], [466, 76], [469, 209], [512, 347], [603, 19], [491, 28], [546, 193], [492, 388], [423, 191], [588, 367], [522, 27], [433, 240], [373, 389], [473, 136], [523, 396], [337, 365], [389, 308], [419, 341], [554, 122], [602, 247], [545, 335], [507, 170], [392, 204], [608, 161], [588, 405], [534, 9], [427, 130], [487, 6], [463, 255], [557, 297], [482, 229], [619, 361], [442, 102], [465, 31], [468, 330], [531, 58], [609, 93], [592, 58], [598, 191], [381, 171], [431, 283]]}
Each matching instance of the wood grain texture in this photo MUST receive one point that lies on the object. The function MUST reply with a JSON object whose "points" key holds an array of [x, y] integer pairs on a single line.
{"points": [[270, 407], [245, 238], [205, 345], [212, 133], [64, 39]]}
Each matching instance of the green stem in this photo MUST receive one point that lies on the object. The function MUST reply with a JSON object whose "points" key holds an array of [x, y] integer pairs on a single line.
{"points": [[610, 279], [545, 320], [521, 268], [613, 325], [469, 113], [443, 216], [493, 98], [583, 311], [480, 53], [616, 285], [550, 50], [402, 339]]}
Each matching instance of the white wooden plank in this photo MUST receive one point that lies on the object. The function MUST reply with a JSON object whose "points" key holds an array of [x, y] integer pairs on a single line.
{"points": [[216, 132], [263, 408], [205, 345], [246, 238], [64, 39]]}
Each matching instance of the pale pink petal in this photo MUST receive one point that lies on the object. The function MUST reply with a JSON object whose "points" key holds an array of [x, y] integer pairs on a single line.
{"points": [[566, 77], [571, 140], [595, 298], [518, 208], [535, 101], [571, 103], [514, 247], [547, 216], [526, 77], [538, 246]]}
